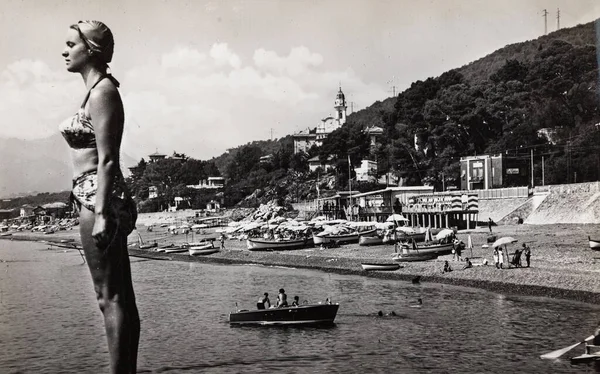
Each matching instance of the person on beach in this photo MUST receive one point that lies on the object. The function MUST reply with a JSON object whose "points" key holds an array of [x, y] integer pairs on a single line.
{"points": [[490, 222], [282, 299], [495, 255], [264, 302], [447, 267], [107, 213], [527, 253], [468, 264], [516, 260], [500, 258], [222, 240]]}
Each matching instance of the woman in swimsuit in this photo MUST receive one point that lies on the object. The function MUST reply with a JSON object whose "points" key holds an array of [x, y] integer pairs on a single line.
{"points": [[106, 211]]}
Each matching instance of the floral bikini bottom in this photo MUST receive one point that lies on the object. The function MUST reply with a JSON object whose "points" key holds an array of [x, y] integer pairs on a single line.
{"points": [[122, 206]]}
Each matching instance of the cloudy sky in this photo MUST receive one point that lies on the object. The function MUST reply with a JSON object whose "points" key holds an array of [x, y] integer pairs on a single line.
{"points": [[200, 77]]}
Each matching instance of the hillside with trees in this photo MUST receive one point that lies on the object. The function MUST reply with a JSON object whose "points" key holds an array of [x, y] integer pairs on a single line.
{"points": [[539, 95]]}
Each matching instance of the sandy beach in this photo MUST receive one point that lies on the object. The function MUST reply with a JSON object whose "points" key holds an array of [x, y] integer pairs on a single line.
{"points": [[562, 264]]}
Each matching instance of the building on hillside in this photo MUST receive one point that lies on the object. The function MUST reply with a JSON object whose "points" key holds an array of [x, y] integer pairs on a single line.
{"points": [[210, 183], [304, 140], [266, 159], [152, 192], [373, 132], [493, 171], [156, 156], [314, 163], [26, 210], [366, 172]]}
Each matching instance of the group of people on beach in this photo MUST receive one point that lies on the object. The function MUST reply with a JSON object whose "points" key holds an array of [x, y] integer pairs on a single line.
{"points": [[265, 303], [516, 261]]}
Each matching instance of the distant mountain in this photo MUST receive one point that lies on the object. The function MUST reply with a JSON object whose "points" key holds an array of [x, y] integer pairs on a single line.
{"points": [[40, 165]]}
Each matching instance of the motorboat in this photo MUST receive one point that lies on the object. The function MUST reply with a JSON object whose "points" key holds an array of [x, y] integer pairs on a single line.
{"points": [[592, 354], [367, 266], [255, 244], [309, 314]]}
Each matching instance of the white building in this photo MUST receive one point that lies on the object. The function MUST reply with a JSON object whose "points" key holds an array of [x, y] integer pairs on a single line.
{"points": [[366, 172], [306, 139]]}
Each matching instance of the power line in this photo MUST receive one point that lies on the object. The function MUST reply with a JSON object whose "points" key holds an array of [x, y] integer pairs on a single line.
{"points": [[545, 15]]}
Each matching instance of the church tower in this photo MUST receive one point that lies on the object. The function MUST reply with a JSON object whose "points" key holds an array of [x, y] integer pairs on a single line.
{"points": [[340, 107]]}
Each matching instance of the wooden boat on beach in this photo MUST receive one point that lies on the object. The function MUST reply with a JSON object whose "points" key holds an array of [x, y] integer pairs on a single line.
{"points": [[594, 244], [439, 249], [315, 314], [256, 244], [412, 257], [368, 266], [353, 237], [366, 240], [175, 249], [202, 249]]}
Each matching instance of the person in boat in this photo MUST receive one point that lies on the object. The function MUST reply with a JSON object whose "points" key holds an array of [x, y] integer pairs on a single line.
{"points": [[264, 302], [107, 212], [282, 299], [447, 267], [296, 301], [468, 264]]}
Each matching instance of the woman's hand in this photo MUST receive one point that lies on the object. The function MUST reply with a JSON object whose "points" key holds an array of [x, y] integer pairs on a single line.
{"points": [[102, 232]]}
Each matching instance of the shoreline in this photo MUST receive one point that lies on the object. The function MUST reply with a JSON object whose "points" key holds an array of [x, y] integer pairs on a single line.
{"points": [[562, 266]]}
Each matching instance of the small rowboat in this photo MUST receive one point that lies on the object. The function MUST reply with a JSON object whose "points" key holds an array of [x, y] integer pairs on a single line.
{"points": [[205, 249], [372, 266], [411, 257], [594, 244], [175, 249], [266, 244]]}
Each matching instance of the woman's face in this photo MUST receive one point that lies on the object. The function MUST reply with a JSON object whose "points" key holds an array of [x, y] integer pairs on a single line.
{"points": [[76, 52]]}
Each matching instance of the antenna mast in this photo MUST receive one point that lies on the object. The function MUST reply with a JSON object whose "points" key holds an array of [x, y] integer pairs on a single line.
{"points": [[558, 18], [545, 15]]}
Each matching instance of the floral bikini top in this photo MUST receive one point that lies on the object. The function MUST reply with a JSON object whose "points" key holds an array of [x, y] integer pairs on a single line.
{"points": [[78, 130]]}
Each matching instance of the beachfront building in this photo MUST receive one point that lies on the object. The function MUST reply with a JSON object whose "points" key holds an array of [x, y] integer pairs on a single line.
{"points": [[493, 171], [26, 210], [443, 209], [304, 140]]}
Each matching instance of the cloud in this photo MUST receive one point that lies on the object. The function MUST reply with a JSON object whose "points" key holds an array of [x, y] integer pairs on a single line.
{"points": [[199, 102]]}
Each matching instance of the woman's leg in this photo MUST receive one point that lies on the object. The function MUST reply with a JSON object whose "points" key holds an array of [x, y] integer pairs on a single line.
{"points": [[111, 275]]}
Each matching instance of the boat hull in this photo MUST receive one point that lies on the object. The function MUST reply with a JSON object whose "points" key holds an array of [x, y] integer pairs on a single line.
{"points": [[379, 267], [302, 315], [370, 240], [342, 239], [202, 250], [412, 257], [264, 245], [594, 244], [436, 249], [586, 358]]}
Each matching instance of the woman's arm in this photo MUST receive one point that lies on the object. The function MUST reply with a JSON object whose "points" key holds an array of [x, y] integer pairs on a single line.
{"points": [[106, 111]]}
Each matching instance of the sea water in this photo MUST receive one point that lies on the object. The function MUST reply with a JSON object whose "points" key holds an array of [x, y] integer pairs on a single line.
{"points": [[50, 323]]}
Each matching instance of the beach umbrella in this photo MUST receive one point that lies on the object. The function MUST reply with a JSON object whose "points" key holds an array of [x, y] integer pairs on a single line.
{"points": [[504, 241], [396, 217], [444, 233]]}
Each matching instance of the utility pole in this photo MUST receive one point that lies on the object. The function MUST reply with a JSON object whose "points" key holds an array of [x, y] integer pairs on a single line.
{"points": [[393, 86], [532, 168], [558, 18], [545, 15], [271, 133], [543, 181]]}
